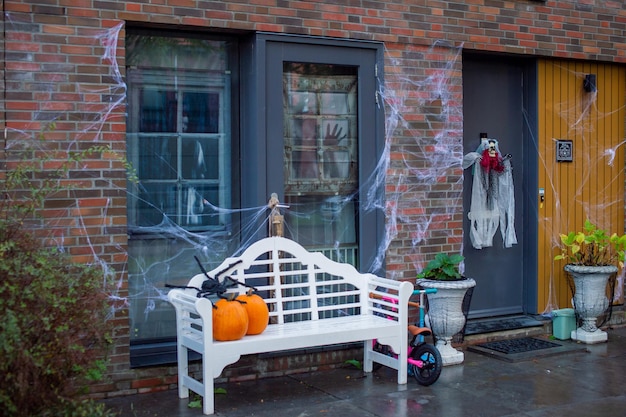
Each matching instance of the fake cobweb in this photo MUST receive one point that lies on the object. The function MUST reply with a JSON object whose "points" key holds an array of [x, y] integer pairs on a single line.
{"points": [[580, 117], [423, 149]]}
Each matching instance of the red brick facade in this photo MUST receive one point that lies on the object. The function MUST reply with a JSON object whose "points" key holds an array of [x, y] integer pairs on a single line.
{"points": [[64, 63]]}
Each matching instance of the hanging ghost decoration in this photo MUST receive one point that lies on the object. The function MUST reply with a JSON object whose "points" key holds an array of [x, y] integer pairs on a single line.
{"points": [[493, 202]]}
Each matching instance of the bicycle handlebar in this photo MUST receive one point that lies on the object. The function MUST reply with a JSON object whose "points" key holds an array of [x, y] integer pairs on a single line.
{"points": [[426, 291], [410, 303]]}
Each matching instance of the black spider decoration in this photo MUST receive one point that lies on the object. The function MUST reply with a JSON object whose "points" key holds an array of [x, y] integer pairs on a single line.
{"points": [[212, 285]]}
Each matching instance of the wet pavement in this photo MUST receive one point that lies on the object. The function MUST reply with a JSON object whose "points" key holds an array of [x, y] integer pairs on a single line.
{"points": [[589, 382]]}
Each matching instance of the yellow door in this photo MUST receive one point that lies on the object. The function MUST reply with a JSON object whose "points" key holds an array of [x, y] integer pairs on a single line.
{"points": [[591, 186]]}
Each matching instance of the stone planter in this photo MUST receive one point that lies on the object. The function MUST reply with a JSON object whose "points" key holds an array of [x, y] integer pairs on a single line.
{"points": [[446, 316], [590, 300]]}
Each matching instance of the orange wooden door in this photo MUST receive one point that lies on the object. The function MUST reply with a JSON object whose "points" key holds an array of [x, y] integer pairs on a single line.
{"points": [[592, 184]]}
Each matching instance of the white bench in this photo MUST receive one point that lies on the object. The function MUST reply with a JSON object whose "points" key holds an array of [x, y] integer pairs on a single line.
{"points": [[313, 301]]}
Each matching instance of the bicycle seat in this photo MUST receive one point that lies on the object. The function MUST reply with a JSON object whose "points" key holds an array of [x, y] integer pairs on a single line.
{"points": [[415, 330]]}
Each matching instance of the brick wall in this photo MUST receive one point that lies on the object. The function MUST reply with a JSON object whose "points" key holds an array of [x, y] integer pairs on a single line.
{"points": [[64, 64]]}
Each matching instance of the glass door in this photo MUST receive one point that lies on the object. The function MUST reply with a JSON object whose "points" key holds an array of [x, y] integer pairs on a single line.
{"points": [[320, 153], [324, 137]]}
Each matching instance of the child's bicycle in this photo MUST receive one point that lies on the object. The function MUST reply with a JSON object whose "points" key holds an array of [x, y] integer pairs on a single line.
{"points": [[424, 360]]}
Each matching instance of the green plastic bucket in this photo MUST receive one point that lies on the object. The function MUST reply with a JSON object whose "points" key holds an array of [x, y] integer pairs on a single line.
{"points": [[563, 322]]}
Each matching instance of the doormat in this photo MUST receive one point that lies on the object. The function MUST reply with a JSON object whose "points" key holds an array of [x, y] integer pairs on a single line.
{"points": [[526, 348], [480, 326]]}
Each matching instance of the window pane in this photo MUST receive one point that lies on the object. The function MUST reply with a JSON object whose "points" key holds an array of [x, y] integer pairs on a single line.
{"points": [[158, 111], [324, 221], [179, 124], [179, 144], [156, 157], [321, 136], [304, 164], [151, 315], [195, 210], [200, 158], [155, 201], [146, 51], [201, 112]]}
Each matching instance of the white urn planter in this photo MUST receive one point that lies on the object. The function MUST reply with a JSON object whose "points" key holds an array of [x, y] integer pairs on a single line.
{"points": [[590, 300], [446, 316]]}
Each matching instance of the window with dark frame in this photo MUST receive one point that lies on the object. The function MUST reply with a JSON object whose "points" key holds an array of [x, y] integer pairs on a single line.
{"points": [[179, 144]]}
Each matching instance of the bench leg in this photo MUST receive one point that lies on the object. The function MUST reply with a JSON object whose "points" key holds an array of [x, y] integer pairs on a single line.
{"points": [[183, 371], [403, 364], [208, 404], [368, 365]]}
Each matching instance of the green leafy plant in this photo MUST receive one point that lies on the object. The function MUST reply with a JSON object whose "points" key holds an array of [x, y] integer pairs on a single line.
{"points": [[592, 247], [356, 363], [443, 268], [54, 331], [197, 403], [53, 327]]}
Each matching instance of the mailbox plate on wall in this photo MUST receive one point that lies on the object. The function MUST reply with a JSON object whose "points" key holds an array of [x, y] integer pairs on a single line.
{"points": [[564, 150]]}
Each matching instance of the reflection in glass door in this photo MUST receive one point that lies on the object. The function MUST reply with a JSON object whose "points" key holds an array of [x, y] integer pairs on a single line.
{"points": [[320, 154]]}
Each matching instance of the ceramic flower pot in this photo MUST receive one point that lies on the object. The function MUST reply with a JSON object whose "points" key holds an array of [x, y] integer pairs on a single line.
{"points": [[446, 316], [590, 299]]}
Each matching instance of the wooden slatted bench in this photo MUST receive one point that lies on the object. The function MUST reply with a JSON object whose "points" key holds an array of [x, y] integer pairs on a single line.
{"points": [[313, 301]]}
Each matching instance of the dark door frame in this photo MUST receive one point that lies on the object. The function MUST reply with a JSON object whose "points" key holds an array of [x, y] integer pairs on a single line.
{"points": [[262, 61]]}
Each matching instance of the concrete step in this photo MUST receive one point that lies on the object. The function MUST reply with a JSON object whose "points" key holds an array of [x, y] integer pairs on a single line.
{"points": [[479, 338], [505, 327], [618, 318]]}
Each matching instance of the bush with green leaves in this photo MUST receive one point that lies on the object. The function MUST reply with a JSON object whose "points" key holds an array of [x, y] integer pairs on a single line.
{"points": [[53, 327], [54, 332]]}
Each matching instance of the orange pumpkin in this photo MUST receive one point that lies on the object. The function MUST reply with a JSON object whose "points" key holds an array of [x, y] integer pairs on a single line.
{"points": [[230, 320], [258, 313]]}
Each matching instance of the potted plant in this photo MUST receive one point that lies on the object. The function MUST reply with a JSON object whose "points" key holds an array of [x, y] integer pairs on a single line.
{"points": [[445, 307], [592, 257]]}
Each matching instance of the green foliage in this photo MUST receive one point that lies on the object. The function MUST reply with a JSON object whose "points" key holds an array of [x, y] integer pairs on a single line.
{"points": [[83, 408], [53, 327], [443, 268], [195, 403], [592, 247], [356, 363], [54, 332]]}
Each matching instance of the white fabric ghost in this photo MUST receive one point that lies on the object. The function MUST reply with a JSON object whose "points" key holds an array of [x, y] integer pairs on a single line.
{"points": [[493, 200]]}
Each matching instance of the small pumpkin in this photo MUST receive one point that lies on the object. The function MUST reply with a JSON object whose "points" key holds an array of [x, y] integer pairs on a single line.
{"points": [[230, 320], [258, 313]]}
